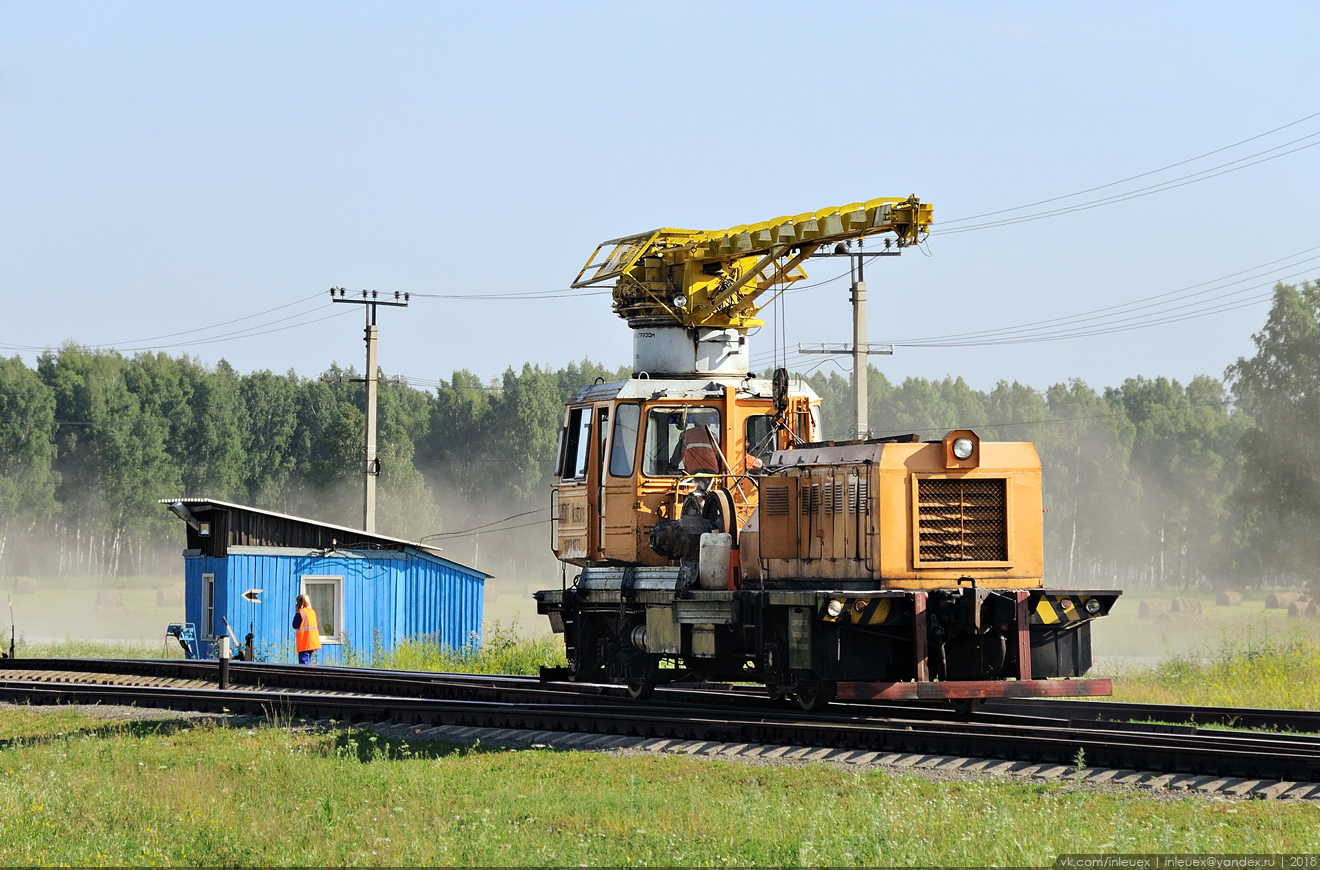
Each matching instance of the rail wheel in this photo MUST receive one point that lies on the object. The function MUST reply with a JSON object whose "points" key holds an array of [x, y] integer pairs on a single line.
{"points": [[814, 696], [966, 706], [641, 673], [640, 690]]}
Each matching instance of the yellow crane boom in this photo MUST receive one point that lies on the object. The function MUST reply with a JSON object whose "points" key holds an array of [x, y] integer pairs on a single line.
{"points": [[716, 278]]}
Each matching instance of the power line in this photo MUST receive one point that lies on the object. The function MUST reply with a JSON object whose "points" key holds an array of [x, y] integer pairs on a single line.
{"points": [[505, 529], [1123, 317], [1172, 184], [1123, 413], [246, 332], [529, 296], [487, 526], [1143, 302], [1121, 325], [1133, 177], [214, 325]]}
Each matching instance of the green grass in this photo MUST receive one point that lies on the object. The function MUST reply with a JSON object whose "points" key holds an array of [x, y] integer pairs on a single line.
{"points": [[504, 650], [147, 793], [71, 648], [1243, 670]]}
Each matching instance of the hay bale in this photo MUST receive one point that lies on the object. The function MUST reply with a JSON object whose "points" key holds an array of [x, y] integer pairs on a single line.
{"points": [[1280, 600], [110, 598], [170, 596], [25, 586], [1313, 609], [1150, 608], [1186, 605], [1296, 609], [1228, 598]]}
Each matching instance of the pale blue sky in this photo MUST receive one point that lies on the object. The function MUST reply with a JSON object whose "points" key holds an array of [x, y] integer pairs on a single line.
{"points": [[165, 167]]}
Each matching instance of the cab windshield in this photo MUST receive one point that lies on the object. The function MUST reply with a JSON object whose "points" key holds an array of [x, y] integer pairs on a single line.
{"points": [[682, 440]]}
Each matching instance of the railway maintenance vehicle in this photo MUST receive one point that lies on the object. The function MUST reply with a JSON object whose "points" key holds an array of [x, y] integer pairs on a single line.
{"points": [[713, 536]]}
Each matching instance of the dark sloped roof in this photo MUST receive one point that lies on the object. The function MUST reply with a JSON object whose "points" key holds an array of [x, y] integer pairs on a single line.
{"points": [[236, 525]]}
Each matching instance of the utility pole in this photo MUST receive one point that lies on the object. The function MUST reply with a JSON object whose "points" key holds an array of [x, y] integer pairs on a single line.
{"points": [[372, 463], [860, 349]]}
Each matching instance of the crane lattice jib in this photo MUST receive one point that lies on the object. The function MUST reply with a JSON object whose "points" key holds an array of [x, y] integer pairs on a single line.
{"points": [[720, 278]]}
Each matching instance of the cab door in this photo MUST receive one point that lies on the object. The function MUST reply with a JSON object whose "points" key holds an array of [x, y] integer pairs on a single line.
{"points": [[600, 429], [620, 517]]}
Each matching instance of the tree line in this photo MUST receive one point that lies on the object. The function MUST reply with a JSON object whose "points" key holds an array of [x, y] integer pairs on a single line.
{"points": [[1152, 482]]}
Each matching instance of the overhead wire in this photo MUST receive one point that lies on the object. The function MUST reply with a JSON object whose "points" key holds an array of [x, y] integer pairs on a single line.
{"points": [[487, 526], [1148, 301], [1044, 421], [246, 332], [1172, 184], [1133, 177], [1190, 302]]}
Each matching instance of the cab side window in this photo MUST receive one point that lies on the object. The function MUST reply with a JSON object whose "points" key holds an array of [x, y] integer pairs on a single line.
{"points": [[759, 432], [623, 449], [577, 442]]}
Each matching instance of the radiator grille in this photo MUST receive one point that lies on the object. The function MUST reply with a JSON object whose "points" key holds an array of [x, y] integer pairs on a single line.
{"points": [[962, 520]]}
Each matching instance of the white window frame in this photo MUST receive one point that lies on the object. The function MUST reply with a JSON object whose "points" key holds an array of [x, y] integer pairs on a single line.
{"points": [[338, 581], [208, 606]]}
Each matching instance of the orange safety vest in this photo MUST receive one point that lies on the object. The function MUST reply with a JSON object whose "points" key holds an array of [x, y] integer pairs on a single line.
{"points": [[309, 635], [699, 451]]}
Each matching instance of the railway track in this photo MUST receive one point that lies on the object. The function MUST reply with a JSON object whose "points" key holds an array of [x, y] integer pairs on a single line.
{"points": [[1057, 733]]}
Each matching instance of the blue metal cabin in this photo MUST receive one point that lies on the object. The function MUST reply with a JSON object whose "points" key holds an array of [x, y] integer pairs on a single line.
{"points": [[370, 591]]}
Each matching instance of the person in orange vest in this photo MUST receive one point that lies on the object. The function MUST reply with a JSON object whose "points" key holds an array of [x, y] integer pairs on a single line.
{"points": [[308, 631]]}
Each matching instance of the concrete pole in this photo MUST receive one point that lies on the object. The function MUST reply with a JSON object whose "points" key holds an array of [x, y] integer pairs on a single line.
{"points": [[860, 360], [369, 486]]}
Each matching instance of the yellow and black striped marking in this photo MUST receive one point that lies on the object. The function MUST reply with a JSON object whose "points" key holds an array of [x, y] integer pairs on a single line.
{"points": [[1055, 609], [865, 611]]}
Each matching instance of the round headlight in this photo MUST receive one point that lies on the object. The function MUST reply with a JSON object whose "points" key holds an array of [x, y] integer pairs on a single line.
{"points": [[962, 449], [680, 301], [1093, 606], [834, 608]]}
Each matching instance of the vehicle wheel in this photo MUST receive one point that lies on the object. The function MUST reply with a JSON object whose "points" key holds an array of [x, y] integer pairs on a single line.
{"points": [[966, 706], [641, 674], [775, 694], [640, 691], [814, 696]]}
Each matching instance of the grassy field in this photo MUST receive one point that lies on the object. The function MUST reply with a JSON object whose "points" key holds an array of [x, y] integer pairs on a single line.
{"points": [[1122, 633], [1247, 670], [59, 610], [77, 790]]}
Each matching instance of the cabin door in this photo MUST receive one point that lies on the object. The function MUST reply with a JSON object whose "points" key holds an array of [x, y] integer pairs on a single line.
{"points": [[600, 430]]}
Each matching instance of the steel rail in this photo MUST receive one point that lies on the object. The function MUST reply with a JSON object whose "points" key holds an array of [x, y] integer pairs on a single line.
{"points": [[1304, 721], [500, 687], [1125, 745]]}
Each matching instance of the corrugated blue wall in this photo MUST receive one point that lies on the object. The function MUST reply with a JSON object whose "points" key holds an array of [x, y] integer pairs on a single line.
{"points": [[387, 597]]}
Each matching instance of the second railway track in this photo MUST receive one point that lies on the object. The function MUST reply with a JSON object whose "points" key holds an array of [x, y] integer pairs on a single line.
{"points": [[1051, 732]]}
